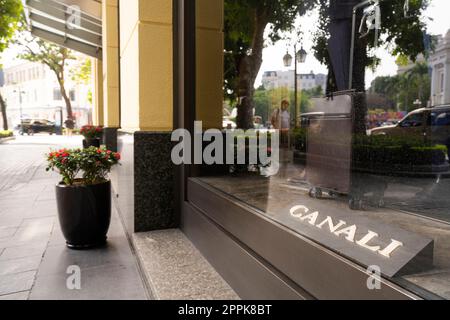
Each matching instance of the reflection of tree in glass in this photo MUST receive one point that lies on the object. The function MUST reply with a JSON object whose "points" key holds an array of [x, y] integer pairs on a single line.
{"points": [[245, 26], [403, 89]]}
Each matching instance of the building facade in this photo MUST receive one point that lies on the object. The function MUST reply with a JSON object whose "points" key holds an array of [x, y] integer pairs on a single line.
{"points": [[31, 91], [440, 63], [285, 79]]}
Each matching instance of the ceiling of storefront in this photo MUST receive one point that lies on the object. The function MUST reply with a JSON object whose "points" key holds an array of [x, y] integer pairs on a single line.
{"points": [[55, 21]]}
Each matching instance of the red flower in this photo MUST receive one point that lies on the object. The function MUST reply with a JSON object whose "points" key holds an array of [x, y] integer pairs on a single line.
{"points": [[117, 156]]}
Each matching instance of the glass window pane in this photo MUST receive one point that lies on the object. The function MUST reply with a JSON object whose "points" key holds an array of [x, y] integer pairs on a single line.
{"points": [[358, 144]]}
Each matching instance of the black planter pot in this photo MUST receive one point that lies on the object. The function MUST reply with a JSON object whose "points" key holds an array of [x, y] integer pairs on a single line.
{"points": [[91, 143], [84, 214]]}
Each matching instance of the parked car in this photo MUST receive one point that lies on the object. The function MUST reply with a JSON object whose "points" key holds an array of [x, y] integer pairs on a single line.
{"points": [[431, 124], [37, 126]]}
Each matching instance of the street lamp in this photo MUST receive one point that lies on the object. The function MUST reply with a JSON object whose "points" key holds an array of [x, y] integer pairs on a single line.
{"points": [[20, 103], [300, 57]]}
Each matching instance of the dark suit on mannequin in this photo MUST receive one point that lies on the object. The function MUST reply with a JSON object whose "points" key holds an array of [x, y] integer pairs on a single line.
{"points": [[340, 12]]}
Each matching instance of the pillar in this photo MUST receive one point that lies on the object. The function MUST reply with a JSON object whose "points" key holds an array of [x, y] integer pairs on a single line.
{"points": [[209, 66], [97, 92]]}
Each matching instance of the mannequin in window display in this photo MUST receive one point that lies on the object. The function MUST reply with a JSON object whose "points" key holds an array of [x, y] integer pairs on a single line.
{"points": [[341, 12]]}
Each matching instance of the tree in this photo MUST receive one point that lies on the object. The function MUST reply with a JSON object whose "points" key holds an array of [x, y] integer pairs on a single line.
{"points": [[82, 74], [420, 77], [55, 57], [404, 89], [246, 23], [10, 21]]}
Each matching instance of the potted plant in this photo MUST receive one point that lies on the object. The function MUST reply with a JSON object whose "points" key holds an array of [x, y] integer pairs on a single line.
{"points": [[92, 135], [84, 194]]}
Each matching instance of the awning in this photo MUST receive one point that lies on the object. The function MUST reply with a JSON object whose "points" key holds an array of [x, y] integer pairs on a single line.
{"points": [[75, 24]]}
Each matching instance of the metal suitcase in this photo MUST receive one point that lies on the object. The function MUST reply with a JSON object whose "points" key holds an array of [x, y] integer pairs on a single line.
{"points": [[331, 129]]}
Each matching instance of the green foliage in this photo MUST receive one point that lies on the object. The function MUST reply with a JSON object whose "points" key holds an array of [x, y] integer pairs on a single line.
{"points": [[82, 73], [10, 21], [267, 101], [6, 134], [403, 90], [94, 164], [66, 162], [52, 55], [91, 132]]}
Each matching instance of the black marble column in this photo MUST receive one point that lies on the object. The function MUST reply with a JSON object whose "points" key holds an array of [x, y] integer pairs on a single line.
{"points": [[110, 138], [146, 181]]}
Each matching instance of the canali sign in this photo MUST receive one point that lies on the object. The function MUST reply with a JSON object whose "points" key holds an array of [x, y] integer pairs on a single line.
{"points": [[361, 238], [341, 229]]}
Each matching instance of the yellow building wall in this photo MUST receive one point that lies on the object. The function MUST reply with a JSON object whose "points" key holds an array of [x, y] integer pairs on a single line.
{"points": [[110, 46], [146, 58], [97, 92], [146, 65], [209, 66]]}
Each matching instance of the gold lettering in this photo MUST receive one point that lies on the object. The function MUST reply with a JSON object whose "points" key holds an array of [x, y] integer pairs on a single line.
{"points": [[387, 252], [350, 232], [364, 241], [311, 217], [298, 208]]}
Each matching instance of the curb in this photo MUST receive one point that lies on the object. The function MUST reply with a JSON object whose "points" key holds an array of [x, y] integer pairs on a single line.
{"points": [[2, 140]]}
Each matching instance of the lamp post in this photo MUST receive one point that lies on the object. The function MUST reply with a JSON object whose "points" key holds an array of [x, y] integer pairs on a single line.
{"points": [[299, 57], [20, 103]]}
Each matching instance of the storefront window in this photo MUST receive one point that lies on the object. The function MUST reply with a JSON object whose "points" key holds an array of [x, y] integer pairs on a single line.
{"points": [[364, 140]]}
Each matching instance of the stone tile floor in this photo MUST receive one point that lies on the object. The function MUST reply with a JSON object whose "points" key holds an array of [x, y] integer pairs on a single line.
{"points": [[176, 270], [33, 257]]}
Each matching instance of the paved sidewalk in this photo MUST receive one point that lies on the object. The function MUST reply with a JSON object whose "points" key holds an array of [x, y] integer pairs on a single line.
{"points": [[33, 257]]}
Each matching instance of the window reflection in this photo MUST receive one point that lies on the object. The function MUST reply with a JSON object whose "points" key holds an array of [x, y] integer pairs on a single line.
{"points": [[379, 151]]}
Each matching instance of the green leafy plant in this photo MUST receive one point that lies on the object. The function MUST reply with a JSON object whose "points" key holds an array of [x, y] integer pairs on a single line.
{"points": [[93, 164], [96, 164], [66, 162], [91, 132]]}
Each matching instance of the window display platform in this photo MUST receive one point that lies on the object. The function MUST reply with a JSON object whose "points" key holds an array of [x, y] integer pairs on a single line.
{"points": [[411, 204]]}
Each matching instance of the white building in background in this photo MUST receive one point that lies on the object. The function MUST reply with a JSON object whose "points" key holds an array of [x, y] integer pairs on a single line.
{"points": [[440, 64], [31, 91], [285, 79]]}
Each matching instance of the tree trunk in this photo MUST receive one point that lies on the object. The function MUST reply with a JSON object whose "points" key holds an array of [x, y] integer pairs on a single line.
{"points": [[249, 67], [246, 91], [3, 109], [65, 97]]}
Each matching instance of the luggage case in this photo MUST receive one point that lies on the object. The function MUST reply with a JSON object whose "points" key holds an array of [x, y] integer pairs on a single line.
{"points": [[330, 160]]}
